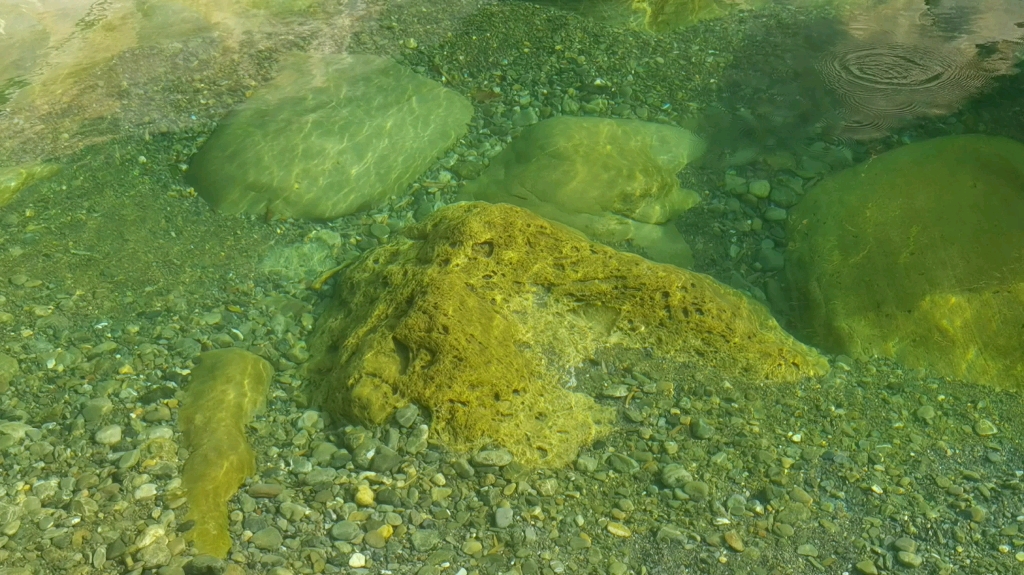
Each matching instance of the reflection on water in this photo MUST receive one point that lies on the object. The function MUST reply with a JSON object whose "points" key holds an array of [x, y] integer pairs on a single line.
{"points": [[906, 59], [464, 388], [81, 71]]}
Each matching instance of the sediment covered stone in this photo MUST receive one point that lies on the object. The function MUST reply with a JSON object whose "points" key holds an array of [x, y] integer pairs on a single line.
{"points": [[482, 313]]}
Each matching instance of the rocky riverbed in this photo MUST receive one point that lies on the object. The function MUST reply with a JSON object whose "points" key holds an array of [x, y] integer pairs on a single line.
{"points": [[114, 276]]}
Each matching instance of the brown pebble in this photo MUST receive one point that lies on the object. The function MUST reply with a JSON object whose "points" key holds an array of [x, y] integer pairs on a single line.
{"points": [[265, 490], [733, 540]]}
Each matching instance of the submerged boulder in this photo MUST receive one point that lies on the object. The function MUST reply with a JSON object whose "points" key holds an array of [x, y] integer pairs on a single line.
{"points": [[330, 136], [614, 180], [918, 255], [482, 313]]}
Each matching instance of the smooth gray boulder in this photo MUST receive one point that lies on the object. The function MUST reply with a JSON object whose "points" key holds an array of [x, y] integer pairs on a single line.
{"points": [[330, 136]]}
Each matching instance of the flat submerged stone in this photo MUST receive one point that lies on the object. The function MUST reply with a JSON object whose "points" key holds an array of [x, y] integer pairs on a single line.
{"points": [[330, 136]]}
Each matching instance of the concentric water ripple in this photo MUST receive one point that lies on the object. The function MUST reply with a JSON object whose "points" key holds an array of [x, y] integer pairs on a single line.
{"points": [[882, 85]]}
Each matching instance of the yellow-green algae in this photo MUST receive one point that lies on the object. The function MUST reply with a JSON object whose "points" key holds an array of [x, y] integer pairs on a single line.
{"points": [[482, 314], [918, 255], [228, 387]]}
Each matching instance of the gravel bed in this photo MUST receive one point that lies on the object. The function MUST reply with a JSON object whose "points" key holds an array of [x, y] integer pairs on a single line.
{"points": [[114, 276]]}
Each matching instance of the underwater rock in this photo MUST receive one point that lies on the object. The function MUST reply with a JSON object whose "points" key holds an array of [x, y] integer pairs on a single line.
{"points": [[330, 136], [918, 255], [228, 386], [17, 178], [668, 15], [482, 316], [651, 15], [614, 180]]}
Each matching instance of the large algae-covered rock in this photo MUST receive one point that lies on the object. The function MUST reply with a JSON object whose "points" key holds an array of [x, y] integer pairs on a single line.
{"points": [[481, 316], [228, 387], [331, 135], [918, 255], [614, 180]]}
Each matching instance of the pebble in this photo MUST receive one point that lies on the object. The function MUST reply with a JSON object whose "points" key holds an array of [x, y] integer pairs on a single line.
{"points": [[492, 458], [156, 555], [771, 260], [503, 517], [380, 231], [977, 514], [866, 567], [525, 117], [784, 196], [800, 496], [760, 188], [909, 559], [926, 413], [985, 428], [701, 429], [425, 539], [905, 544], [472, 547], [345, 531], [696, 489], [145, 491], [732, 539], [378, 538], [267, 539], [357, 560], [617, 529], [675, 475], [807, 550], [406, 416], [622, 463], [108, 435], [364, 496], [775, 214]]}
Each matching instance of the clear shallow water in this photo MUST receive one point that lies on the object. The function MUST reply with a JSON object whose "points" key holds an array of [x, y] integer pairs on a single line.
{"points": [[117, 249]]}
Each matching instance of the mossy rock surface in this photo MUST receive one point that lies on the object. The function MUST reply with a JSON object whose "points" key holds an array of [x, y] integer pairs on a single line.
{"points": [[481, 316], [614, 180], [330, 136], [918, 255]]}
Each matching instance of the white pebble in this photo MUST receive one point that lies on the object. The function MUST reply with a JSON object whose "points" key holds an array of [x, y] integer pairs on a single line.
{"points": [[357, 561], [108, 435], [151, 535], [145, 491]]}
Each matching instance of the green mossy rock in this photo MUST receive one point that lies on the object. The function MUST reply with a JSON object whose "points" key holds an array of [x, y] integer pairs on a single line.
{"points": [[481, 316], [614, 180], [330, 136], [918, 255], [228, 387]]}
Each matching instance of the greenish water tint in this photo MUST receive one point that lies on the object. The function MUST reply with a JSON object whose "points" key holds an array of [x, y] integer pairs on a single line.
{"points": [[845, 172]]}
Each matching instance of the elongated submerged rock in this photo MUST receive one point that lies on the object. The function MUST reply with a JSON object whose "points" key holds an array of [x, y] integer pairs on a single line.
{"points": [[228, 387], [483, 314]]}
